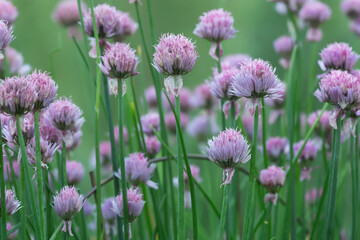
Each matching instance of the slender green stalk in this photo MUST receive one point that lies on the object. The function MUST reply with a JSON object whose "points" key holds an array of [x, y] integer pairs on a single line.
{"points": [[330, 214], [246, 229], [354, 189], [223, 211], [39, 174], [267, 232], [49, 222], [63, 165], [122, 159], [2, 186], [23, 199], [56, 233], [97, 125], [266, 163]]}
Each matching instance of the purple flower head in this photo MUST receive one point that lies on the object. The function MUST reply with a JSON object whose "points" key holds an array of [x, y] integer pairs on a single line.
{"points": [[15, 61], [17, 95], [135, 204], [234, 61], [138, 170], [272, 178], [308, 154], [13, 235], [67, 204], [150, 95], [340, 89], [107, 211], [355, 26], [175, 55], [351, 8], [64, 115], [203, 97], [47, 151], [108, 21], [8, 12], [220, 87], [215, 26], [50, 133], [284, 46], [275, 146], [170, 121], [149, 121], [105, 156], [12, 204], [27, 127], [119, 61], [228, 150], [46, 89], [153, 145], [128, 26], [338, 56], [186, 103], [314, 13], [201, 126], [67, 13], [89, 208], [125, 134], [256, 79], [5, 36], [74, 172]]}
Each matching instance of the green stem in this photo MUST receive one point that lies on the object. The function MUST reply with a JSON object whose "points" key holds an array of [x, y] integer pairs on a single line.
{"points": [[2, 186], [54, 235], [354, 188], [223, 211], [63, 165], [49, 225], [266, 163], [246, 229], [330, 214], [122, 159], [39, 173], [267, 232]]}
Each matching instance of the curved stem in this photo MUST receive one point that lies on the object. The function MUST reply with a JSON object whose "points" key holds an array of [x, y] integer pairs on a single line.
{"points": [[63, 162], [354, 189], [122, 159], [266, 163], [223, 211], [267, 230], [246, 230], [2, 186]]}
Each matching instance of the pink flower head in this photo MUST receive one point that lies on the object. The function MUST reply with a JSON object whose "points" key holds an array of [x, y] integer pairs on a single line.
{"points": [[314, 13], [46, 89], [234, 61], [15, 61], [185, 101], [17, 95], [47, 151], [284, 46], [228, 150], [5, 36], [128, 26], [175, 55], [108, 21], [272, 178], [150, 95], [203, 97], [74, 172], [67, 204], [201, 126], [340, 89], [324, 121], [12, 204], [308, 154], [27, 127], [312, 196], [149, 122], [105, 154], [170, 121], [256, 79], [153, 145], [125, 134], [355, 26], [88, 208], [195, 173], [119, 61], [275, 146], [351, 8], [220, 87], [138, 170], [64, 115], [13, 235], [135, 204], [50, 133], [338, 56], [8, 12], [107, 211], [67, 13]]}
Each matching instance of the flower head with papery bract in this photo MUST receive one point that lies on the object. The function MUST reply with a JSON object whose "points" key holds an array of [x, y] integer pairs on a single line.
{"points": [[256, 79], [8, 12], [17, 95], [128, 26], [275, 146], [108, 22], [47, 152], [67, 13], [27, 128], [338, 56], [12, 204], [46, 89], [15, 61], [351, 8], [220, 87], [119, 61], [138, 170], [284, 46], [174, 55], [5, 36], [135, 204], [228, 150], [272, 178], [74, 172], [149, 122], [67, 204], [340, 89], [64, 115]]}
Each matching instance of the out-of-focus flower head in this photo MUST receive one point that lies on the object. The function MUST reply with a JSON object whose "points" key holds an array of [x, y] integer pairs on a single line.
{"points": [[5, 36], [170, 121], [273, 178], [201, 126], [135, 204], [351, 8], [74, 172], [27, 127], [67, 13], [47, 151], [284, 46], [149, 122], [275, 147], [153, 145], [8, 12], [12, 204]]}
